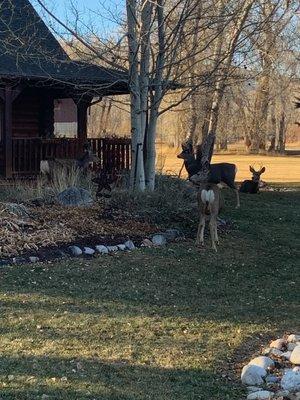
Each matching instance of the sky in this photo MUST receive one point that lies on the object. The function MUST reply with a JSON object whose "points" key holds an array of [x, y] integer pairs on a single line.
{"points": [[100, 15]]}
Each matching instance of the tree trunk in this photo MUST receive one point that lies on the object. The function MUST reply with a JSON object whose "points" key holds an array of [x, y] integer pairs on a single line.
{"points": [[281, 134]]}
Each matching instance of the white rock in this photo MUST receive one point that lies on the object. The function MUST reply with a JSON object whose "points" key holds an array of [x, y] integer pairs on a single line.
{"points": [[101, 249], [159, 240], [286, 355], [34, 259], [112, 249], [129, 245], [88, 251], [278, 344], [253, 375], [293, 338], [296, 369], [291, 380], [262, 361], [261, 395], [75, 250], [121, 247], [295, 356]]}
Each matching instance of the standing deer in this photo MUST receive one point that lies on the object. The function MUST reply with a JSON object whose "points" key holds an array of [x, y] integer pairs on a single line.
{"points": [[209, 198], [47, 167], [217, 173], [252, 186], [209, 204]]}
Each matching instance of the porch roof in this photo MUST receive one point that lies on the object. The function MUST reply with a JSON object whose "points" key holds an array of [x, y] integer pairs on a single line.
{"points": [[30, 51]]}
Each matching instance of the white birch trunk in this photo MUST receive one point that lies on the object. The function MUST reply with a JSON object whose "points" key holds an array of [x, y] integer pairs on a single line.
{"points": [[155, 100], [137, 176]]}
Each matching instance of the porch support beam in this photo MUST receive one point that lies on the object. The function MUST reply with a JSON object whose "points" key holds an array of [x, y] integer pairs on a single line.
{"points": [[82, 109], [8, 99]]}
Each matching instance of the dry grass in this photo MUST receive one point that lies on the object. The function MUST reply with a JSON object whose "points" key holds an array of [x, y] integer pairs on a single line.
{"points": [[278, 168]]}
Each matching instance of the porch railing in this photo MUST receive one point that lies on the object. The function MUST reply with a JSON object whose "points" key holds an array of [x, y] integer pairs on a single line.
{"points": [[113, 153]]}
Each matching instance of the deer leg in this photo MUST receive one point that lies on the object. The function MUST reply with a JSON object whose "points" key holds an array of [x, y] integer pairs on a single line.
{"points": [[212, 224], [216, 233], [200, 233], [237, 198]]}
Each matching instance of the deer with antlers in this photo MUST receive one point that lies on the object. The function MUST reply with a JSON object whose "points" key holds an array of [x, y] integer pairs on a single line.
{"points": [[216, 173], [252, 186]]}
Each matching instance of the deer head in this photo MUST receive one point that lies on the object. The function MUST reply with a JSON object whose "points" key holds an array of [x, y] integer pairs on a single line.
{"points": [[256, 174], [187, 150]]}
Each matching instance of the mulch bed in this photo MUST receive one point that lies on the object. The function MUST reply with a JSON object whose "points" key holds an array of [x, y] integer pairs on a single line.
{"points": [[53, 226]]}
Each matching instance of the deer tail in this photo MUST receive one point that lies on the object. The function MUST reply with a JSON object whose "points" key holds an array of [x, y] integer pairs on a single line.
{"points": [[207, 198]]}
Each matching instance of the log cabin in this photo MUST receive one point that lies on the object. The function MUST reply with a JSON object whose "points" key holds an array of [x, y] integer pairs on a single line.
{"points": [[35, 73]]}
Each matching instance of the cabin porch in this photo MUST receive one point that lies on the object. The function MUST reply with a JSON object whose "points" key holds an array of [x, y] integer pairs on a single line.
{"points": [[27, 132]]}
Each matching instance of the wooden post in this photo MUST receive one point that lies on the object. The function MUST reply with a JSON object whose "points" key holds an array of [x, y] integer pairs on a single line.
{"points": [[82, 107], [8, 99]]}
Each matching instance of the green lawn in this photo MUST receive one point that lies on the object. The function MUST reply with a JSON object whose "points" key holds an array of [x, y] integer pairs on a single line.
{"points": [[153, 324]]}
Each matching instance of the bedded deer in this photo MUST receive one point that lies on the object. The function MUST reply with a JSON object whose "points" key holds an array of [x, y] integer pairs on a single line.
{"points": [[218, 173], [209, 204], [252, 186]]}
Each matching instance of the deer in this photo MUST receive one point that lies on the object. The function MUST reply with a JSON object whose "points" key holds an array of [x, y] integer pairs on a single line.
{"points": [[252, 185], [208, 196], [218, 173], [47, 167]]}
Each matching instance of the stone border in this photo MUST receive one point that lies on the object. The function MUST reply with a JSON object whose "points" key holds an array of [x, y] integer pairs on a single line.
{"points": [[157, 240]]}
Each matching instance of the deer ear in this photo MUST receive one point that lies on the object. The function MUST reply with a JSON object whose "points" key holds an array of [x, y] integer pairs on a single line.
{"points": [[251, 169], [262, 170]]}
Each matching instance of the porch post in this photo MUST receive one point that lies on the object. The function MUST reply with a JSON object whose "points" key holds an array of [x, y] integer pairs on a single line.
{"points": [[82, 107], [8, 99]]}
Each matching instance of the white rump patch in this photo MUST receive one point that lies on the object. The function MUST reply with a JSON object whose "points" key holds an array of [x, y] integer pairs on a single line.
{"points": [[207, 196]]}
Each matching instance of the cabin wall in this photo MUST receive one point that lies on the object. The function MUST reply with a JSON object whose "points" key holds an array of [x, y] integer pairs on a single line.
{"points": [[33, 114]]}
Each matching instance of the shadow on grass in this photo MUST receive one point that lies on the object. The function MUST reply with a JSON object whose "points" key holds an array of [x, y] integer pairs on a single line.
{"points": [[30, 377]]}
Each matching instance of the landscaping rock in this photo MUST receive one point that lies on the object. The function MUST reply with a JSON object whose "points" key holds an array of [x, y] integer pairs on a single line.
{"points": [[19, 260], [75, 197], [253, 375], [147, 243], [75, 250], [263, 362], [261, 395], [295, 356], [293, 338], [121, 247], [172, 234], [276, 352], [88, 251], [291, 380], [34, 259], [278, 344], [102, 249], [296, 369], [159, 240], [129, 245], [112, 249]]}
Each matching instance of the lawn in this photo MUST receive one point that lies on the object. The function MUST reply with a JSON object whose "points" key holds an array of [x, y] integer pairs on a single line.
{"points": [[278, 168], [163, 324]]}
